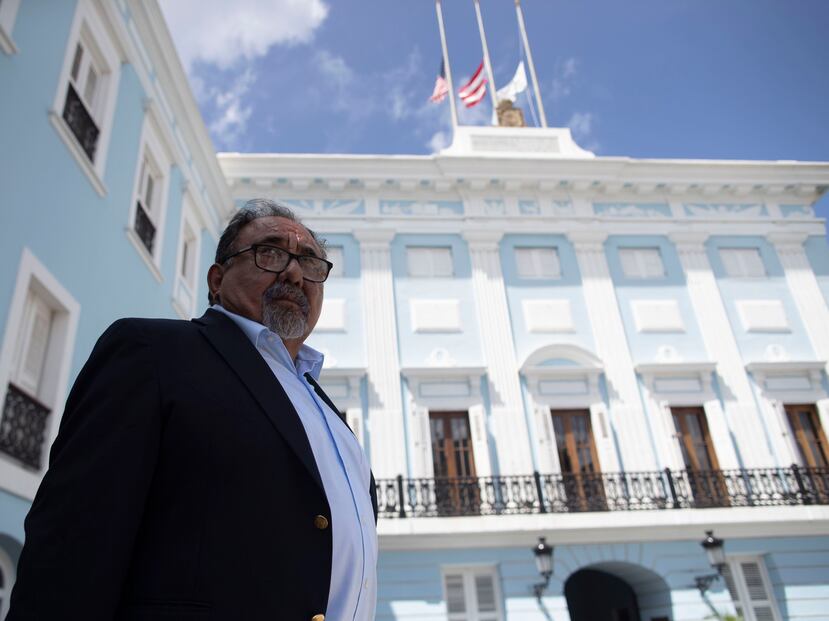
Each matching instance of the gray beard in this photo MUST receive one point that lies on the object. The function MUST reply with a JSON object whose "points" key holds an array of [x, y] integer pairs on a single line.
{"points": [[287, 322]]}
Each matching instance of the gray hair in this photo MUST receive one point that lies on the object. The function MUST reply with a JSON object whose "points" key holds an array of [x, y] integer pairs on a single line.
{"points": [[250, 211]]}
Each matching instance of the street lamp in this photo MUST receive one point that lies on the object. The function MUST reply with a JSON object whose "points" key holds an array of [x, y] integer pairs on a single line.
{"points": [[715, 550], [544, 563]]}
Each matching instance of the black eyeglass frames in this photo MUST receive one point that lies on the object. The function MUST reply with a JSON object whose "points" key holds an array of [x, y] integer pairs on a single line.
{"points": [[275, 259]]}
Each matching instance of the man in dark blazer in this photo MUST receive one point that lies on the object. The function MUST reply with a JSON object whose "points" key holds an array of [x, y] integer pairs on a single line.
{"points": [[200, 472]]}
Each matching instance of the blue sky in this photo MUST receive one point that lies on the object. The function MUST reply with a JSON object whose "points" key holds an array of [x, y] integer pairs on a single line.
{"points": [[733, 79]]}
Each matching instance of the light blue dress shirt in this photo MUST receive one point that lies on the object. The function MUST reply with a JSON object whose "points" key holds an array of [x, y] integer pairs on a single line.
{"points": [[344, 471]]}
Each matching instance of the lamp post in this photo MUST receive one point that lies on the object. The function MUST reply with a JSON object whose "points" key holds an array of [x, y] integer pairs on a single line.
{"points": [[544, 563], [715, 550]]}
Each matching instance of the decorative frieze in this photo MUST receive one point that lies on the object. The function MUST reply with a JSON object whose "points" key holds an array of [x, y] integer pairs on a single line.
{"points": [[728, 210], [632, 210]]}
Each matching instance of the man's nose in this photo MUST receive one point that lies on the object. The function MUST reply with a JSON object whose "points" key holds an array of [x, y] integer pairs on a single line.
{"points": [[292, 273]]}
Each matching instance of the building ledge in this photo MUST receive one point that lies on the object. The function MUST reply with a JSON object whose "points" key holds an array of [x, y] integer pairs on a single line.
{"points": [[601, 527]]}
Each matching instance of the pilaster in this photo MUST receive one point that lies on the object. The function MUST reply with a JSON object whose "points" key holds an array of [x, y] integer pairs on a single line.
{"points": [[807, 297], [804, 288], [629, 420], [740, 416], [385, 407], [508, 418]]}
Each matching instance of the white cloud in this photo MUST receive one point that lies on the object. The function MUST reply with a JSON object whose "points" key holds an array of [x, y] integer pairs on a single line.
{"points": [[335, 68], [232, 114], [438, 141], [222, 33], [581, 124], [563, 75], [569, 67]]}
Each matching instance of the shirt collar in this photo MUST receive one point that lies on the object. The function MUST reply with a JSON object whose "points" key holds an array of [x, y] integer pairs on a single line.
{"points": [[308, 359]]}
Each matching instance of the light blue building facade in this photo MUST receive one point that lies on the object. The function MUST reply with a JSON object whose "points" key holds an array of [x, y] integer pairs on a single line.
{"points": [[110, 203], [616, 355], [529, 341]]}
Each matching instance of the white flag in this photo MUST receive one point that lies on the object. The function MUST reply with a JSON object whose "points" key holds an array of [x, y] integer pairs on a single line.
{"points": [[518, 84]]}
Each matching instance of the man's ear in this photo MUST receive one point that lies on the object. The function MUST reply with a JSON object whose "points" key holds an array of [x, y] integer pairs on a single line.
{"points": [[214, 280]]}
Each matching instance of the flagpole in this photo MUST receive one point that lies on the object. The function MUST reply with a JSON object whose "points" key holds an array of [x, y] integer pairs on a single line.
{"points": [[487, 64], [523, 29], [452, 105]]}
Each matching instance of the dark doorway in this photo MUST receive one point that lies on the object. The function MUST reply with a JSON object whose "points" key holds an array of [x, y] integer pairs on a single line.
{"points": [[617, 601]]}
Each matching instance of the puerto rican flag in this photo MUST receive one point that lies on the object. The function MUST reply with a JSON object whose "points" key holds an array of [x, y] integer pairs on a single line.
{"points": [[474, 90], [441, 86]]}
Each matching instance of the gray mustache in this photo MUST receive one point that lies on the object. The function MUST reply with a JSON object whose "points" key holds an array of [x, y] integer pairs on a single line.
{"points": [[285, 291]]}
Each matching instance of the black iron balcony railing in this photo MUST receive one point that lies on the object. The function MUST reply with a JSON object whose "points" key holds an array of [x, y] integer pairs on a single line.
{"points": [[23, 427], [625, 491]]}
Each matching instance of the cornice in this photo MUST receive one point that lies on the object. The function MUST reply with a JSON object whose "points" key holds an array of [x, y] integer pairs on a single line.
{"points": [[625, 179], [793, 240]]}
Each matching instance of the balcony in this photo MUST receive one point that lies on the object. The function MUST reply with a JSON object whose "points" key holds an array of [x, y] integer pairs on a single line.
{"points": [[577, 493], [22, 427]]}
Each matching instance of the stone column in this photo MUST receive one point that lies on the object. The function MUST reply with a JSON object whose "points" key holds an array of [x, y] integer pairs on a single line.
{"points": [[508, 417], [626, 412], [741, 418], [385, 407]]}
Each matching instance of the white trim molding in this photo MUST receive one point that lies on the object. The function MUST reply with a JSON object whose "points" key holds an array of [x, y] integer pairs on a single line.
{"points": [[790, 380], [8, 14], [679, 383], [33, 276], [90, 28], [445, 387], [689, 384], [342, 384]]}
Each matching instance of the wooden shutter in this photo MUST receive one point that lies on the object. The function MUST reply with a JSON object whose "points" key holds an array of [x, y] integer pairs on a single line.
{"points": [[749, 586], [486, 602], [455, 597], [33, 345], [472, 595]]}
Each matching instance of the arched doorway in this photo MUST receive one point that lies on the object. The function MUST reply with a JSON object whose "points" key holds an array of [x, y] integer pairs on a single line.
{"points": [[594, 595]]}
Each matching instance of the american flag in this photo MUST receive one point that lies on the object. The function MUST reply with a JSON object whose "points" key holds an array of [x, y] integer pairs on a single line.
{"points": [[441, 86], [474, 90]]}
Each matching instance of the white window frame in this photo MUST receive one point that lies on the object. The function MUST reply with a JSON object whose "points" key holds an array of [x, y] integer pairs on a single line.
{"points": [[641, 263], [185, 288], [432, 264], [9, 578], [742, 262], [534, 259], [338, 271], [32, 275], [8, 15], [468, 572], [738, 579], [89, 27], [152, 149]]}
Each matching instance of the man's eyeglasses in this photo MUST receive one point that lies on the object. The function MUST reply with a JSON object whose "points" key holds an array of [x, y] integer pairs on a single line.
{"points": [[276, 260]]}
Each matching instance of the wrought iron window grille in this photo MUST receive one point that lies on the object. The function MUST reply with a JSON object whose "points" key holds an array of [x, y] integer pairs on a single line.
{"points": [[81, 123], [23, 427]]}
